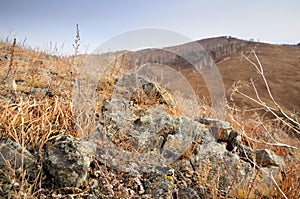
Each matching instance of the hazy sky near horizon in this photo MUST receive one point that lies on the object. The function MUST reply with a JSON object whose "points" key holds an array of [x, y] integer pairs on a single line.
{"points": [[42, 22]]}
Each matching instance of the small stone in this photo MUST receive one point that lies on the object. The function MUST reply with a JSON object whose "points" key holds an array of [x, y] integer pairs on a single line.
{"points": [[266, 157]]}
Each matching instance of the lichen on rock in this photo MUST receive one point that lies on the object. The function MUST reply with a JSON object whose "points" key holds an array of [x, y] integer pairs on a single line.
{"points": [[68, 160]]}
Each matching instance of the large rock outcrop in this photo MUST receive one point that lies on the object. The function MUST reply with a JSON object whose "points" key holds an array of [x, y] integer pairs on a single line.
{"points": [[204, 152], [140, 149]]}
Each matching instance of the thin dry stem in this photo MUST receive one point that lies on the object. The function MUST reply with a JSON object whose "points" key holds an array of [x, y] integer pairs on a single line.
{"points": [[278, 187], [259, 68]]}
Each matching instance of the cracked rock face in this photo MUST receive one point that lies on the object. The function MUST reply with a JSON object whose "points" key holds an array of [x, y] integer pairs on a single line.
{"points": [[206, 147], [151, 135], [68, 160]]}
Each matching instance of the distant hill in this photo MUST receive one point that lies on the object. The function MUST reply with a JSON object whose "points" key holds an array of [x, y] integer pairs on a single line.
{"points": [[281, 65]]}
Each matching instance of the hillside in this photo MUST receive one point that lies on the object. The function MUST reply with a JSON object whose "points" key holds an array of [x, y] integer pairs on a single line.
{"points": [[68, 133], [281, 66]]}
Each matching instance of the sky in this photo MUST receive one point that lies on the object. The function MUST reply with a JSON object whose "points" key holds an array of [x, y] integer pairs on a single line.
{"points": [[45, 24]]}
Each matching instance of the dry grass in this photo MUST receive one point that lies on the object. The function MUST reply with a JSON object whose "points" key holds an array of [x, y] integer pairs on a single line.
{"points": [[273, 135], [281, 69], [35, 107], [280, 133]]}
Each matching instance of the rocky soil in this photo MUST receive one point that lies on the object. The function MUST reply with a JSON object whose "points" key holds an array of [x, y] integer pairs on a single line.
{"points": [[146, 152]]}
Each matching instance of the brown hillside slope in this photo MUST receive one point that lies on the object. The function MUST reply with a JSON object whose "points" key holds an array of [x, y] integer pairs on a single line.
{"points": [[281, 66], [282, 69]]}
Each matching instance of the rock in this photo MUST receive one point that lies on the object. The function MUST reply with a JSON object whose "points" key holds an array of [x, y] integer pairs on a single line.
{"points": [[220, 168], [138, 89], [266, 157], [262, 157], [12, 155], [159, 182], [222, 132], [140, 139], [155, 92], [188, 193], [153, 133], [68, 160], [4, 57]]}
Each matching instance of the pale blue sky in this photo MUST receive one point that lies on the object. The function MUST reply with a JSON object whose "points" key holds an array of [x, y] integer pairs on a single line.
{"points": [[41, 21]]}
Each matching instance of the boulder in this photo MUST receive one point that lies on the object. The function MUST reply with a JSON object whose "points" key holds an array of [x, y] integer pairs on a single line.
{"points": [[13, 155], [15, 161], [67, 160]]}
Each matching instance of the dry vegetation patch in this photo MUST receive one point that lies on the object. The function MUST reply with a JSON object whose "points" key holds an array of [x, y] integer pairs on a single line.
{"points": [[36, 106]]}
